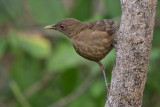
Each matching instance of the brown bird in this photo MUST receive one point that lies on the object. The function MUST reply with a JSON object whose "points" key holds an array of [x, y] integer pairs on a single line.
{"points": [[92, 40]]}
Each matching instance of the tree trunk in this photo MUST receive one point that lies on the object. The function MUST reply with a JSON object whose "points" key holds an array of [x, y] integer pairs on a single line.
{"points": [[133, 45]]}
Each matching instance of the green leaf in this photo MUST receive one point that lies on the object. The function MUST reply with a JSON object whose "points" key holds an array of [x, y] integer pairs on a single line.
{"points": [[34, 44], [63, 57]]}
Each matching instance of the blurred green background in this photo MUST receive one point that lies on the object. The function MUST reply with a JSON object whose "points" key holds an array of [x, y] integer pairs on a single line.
{"points": [[39, 67]]}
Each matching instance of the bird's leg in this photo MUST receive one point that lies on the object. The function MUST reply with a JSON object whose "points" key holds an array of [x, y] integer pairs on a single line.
{"points": [[103, 69]]}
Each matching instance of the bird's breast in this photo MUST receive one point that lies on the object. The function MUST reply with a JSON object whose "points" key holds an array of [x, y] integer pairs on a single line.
{"points": [[92, 45]]}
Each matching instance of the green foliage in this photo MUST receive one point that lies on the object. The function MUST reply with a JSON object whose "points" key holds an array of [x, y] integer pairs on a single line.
{"points": [[35, 45], [46, 12], [3, 46], [69, 80], [10, 10], [39, 68], [113, 8], [63, 57], [98, 89], [80, 12]]}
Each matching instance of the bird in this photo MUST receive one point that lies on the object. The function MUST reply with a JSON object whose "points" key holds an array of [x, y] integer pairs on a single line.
{"points": [[91, 40]]}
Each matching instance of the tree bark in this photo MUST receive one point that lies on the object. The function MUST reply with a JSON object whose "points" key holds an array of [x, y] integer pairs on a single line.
{"points": [[133, 45]]}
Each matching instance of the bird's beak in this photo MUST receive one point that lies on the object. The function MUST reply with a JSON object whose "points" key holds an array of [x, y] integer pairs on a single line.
{"points": [[50, 27]]}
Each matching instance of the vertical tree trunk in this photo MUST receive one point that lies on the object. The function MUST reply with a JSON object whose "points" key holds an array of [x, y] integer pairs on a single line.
{"points": [[133, 45]]}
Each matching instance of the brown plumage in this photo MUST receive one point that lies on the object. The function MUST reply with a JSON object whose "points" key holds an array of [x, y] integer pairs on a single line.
{"points": [[92, 40]]}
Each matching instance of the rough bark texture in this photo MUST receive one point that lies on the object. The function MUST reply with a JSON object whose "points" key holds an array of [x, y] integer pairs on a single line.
{"points": [[134, 41]]}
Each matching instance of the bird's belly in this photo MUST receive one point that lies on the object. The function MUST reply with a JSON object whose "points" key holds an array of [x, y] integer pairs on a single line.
{"points": [[90, 51], [92, 45]]}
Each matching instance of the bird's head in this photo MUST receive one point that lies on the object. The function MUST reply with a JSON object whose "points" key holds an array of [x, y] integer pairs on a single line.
{"points": [[68, 27]]}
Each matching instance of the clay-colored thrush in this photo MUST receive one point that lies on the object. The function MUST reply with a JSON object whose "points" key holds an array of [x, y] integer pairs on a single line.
{"points": [[92, 40]]}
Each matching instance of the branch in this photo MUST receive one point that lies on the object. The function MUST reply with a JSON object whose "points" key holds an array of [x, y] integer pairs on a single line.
{"points": [[133, 45]]}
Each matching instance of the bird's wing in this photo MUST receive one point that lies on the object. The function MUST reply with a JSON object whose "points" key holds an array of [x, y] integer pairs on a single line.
{"points": [[103, 25]]}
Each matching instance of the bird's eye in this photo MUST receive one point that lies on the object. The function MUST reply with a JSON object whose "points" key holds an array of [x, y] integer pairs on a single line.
{"points": [[62, 26]]}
